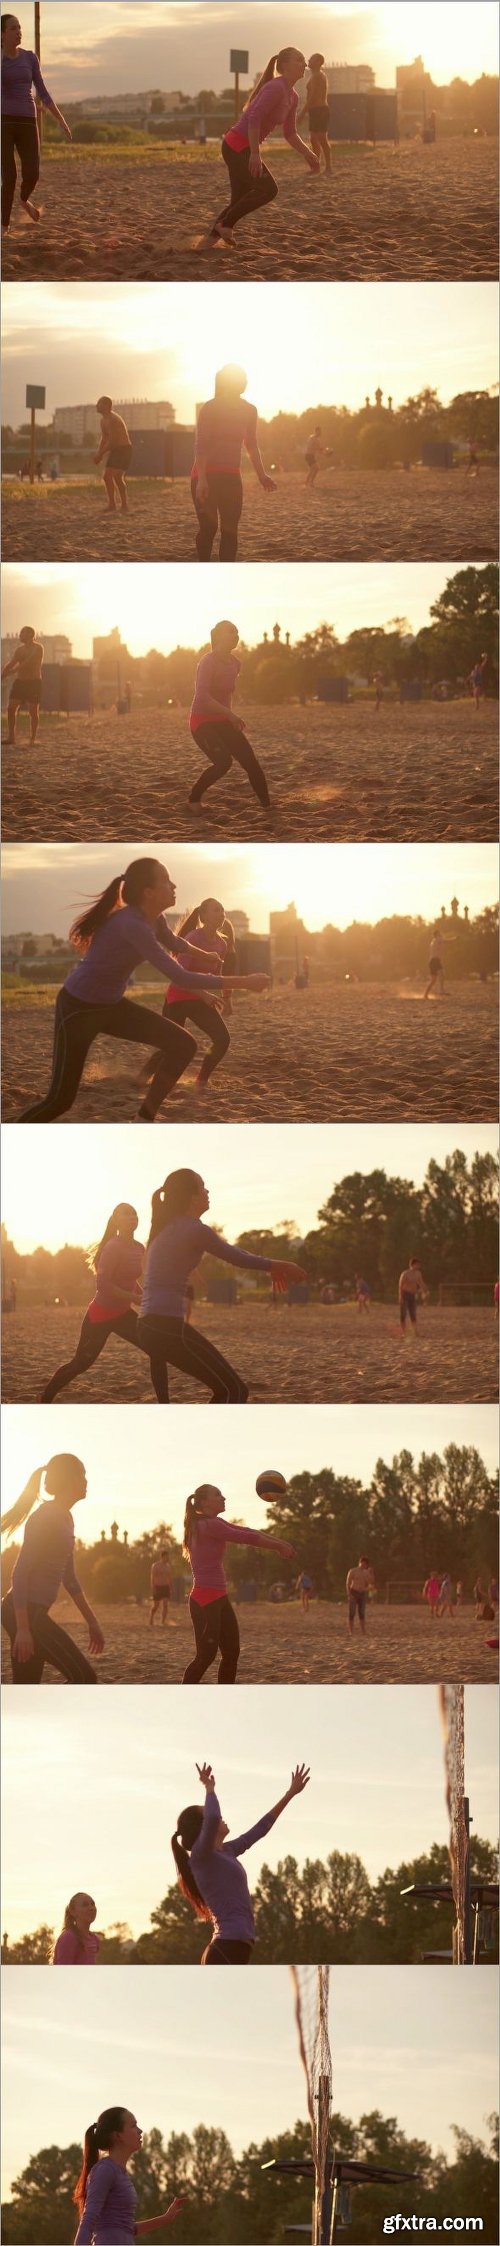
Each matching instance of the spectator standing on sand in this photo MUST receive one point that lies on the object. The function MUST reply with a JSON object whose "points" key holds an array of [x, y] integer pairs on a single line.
{"points": [[217, 731], [493, 1594], [315, 454], [472, 468], [379, 690], [431, 1593], [316, 109], [21, 74], [26, 666], [477, 679], [161, 1586], [410, 1291], [116, 449], [273, 102], [75, 1944], [214, 1621], [225, 424], [304, 1588], [479, 1596], [363, 1296], [359, 1583], [446, 1599], [436, 963]]}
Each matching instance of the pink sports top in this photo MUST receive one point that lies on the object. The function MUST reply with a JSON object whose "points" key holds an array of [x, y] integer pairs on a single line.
{"points": [[274, 104], [217, 677]]}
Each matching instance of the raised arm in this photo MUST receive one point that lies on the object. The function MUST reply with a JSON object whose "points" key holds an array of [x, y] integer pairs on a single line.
{"points": [[299, 1780]]}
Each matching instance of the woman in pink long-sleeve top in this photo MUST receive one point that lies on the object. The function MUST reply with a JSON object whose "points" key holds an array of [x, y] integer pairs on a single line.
{"points": [[75, 1944], [214, 1621], [273, 102]]}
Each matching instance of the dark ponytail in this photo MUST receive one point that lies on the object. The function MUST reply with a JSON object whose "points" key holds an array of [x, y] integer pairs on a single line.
{"points": [[273, 67], [97, 2139], [188, 1830], [127, 888], [171, 1200], [4, 20], [192, 1514]]}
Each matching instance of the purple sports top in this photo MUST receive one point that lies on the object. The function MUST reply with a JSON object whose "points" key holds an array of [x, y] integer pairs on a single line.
{"points": [[20, 72], [110, 2210], [175, 1253], [102, 975], [220, 1877], [46, 1558]]}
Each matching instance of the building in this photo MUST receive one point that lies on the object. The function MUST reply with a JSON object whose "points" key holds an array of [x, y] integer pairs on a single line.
{"points": [[56, 648], [82, 424], [350, 78], [289, 940], [415, 95]]}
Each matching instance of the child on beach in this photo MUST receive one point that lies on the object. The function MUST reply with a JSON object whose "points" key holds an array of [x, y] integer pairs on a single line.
{"points": [[115, 447], [20, 136], [273, 102], [317, 111], [225, 424], [217, 731], [26, 666]]}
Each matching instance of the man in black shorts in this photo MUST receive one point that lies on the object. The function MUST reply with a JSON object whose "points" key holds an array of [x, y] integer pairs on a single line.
{"points": [[115, 443], [161, 1586], [26, 666], [359, 1583]]}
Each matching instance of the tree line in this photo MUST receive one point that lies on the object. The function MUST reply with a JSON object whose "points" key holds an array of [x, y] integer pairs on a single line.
{"points": [[370, 1223], [416, 1514], [232, 2202], [321, 1912]]}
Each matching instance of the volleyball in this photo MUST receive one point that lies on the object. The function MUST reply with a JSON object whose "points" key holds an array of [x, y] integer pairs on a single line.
{"points": [[270, 1484]]}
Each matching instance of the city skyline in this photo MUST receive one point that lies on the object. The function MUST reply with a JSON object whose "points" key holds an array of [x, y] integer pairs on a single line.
{"points": [[324, 348], [331, 884], [147, 601], [186, 43]]}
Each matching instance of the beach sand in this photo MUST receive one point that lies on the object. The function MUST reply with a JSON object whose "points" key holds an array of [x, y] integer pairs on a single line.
{"points": [[332, 1053], [281, 1645], [417, 772]]}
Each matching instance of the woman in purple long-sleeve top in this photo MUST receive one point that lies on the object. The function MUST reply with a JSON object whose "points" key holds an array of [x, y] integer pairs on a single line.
{"points": [[177, 1242], [20, 73], [209, 1871], [214, 1621], [105, 2195]]}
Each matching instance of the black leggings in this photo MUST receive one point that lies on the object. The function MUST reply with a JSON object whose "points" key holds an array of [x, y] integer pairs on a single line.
{"points": [[224, 745], [51, 1644], [75, 1027], [207, 1018], [92, 1341], [19, 138], [169, 1341], [222, 1952], [247, 194], [223, 504], [216, 1631]]}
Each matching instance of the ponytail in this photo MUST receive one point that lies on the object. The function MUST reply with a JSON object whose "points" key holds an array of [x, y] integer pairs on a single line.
{"points": [[111, 1232], [24, 1504], [56, 1473], [97, 2139], [172, 1199], [273, 67], [188, 1830], [192, 1514], [127, 888]]}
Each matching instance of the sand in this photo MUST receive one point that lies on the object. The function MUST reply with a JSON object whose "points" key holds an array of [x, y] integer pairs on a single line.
{"points": [[311, 1355], [360, 1053], [281, 1645], [349, 515], [417, 214], [424, 772]]}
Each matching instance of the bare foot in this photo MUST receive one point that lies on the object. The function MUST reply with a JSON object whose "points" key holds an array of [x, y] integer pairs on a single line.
{"points": [[33, 210]]}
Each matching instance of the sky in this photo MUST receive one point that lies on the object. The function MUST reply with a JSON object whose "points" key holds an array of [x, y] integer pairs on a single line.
{"points": [[377, 1786], [103, 47], [153, 604], [59, 1188], [144, 1477], [402, 2041], [43, 883], [312, 345]]}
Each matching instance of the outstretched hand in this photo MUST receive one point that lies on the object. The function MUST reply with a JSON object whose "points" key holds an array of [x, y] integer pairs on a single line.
{"points": [[286, 1275], [299, 1779], [206, 1776]]}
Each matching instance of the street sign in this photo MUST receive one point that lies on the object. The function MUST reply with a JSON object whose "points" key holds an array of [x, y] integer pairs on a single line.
{"points": [[35, 396], [238, 60]]}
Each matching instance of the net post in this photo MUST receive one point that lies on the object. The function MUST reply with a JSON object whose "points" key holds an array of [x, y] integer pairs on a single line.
{"points": [[468, 1937]]}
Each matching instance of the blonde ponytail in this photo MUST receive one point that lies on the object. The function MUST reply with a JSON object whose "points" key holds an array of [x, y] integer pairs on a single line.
{"points": [[24, 1504]]}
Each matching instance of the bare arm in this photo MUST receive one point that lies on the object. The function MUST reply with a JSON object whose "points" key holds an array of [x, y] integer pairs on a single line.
{"points": [[255, 456], [12, 666]]}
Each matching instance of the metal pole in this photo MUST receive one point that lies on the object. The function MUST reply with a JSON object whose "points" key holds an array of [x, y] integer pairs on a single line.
{"points": [[236, 92], [32, 448], [468, 1943]]}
